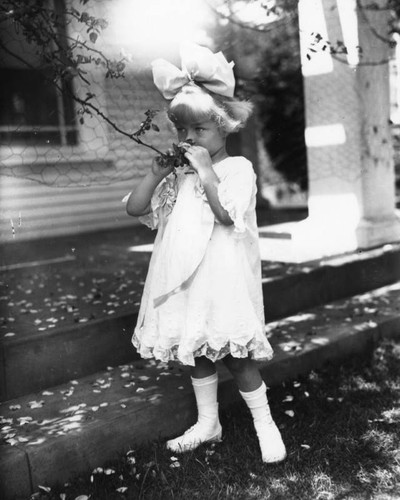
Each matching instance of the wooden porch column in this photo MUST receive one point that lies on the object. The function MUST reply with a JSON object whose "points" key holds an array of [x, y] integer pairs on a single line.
{"points": [[349, 147]]}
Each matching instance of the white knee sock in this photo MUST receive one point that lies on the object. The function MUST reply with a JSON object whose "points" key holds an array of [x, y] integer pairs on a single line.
{"points": [[205, 391], [269, 437], [257, 403], [207, 427]]}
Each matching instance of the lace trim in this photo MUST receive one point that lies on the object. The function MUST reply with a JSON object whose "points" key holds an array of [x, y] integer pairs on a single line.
{"points": [[257, 349]]}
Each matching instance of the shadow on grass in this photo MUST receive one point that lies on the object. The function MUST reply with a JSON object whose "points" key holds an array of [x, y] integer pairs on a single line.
{"points": [[341, 426]]}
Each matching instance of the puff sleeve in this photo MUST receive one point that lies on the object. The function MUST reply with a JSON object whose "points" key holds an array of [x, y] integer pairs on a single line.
{"points": [[162, 202], [236, 191]]}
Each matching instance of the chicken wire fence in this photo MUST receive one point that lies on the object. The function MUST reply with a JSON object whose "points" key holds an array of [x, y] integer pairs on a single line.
{"points": [[45, 141], [45, 138]]}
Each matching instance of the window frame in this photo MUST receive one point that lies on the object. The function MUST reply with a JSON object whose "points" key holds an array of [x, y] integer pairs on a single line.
{"points": [[92, 139]]}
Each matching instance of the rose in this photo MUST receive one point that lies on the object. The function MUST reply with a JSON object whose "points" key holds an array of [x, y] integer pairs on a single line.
{"points": [[176, 155]]}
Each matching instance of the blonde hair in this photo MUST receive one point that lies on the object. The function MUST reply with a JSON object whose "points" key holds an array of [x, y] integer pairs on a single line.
{"points": [[194, 104]]}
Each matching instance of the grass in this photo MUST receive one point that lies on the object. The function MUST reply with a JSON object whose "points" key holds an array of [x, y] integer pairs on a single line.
{"points": [[343, 442]]}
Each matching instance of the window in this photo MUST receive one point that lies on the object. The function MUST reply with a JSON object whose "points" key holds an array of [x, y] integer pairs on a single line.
{"points": [[33, 111]]}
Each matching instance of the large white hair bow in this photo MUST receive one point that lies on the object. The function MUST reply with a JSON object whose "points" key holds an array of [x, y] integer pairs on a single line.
{"points": [[199, 65]]}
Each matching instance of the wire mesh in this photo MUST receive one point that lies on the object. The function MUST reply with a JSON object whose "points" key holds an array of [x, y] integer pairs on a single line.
{"points": [[66, 171]]}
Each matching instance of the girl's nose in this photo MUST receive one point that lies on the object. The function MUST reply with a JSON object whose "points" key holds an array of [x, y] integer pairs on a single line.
{"points": [[189, 135]]}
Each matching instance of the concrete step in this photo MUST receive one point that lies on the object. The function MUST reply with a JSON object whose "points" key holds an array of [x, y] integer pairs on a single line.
{"points": [[34, 360], [51, 435]]}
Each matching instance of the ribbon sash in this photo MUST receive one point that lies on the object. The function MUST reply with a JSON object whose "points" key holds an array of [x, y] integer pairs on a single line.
{"points": [[184, 242]]}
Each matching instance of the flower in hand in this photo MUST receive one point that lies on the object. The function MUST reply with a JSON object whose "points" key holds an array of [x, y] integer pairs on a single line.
{"points": [[175, 157]]}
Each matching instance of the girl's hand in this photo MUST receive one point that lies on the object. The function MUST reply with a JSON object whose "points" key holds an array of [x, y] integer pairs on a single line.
{"points": [[199, 158], [160, 171]]}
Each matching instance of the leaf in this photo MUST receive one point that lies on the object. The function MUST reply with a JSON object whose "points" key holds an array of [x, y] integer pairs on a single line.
{"points": [[120, 67], [47, 489], [84, 17], [93, 37], [24, 420], [35, 404], [155, 127]]}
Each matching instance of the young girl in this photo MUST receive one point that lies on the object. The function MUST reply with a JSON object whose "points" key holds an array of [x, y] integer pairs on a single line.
{"points": [[202, 299]]}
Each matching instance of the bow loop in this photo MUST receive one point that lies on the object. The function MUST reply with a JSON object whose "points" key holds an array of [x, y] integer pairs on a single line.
{"points": [[168, 78], [199, 65]]}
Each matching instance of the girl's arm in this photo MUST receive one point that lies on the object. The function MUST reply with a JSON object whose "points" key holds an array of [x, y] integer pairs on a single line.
{"points": [[210, 182], [139, 201], [200, 161]]}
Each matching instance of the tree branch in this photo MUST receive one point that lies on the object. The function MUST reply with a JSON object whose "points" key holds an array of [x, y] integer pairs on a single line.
{"points": [[372, 29], [85, 104], [230, 17]]}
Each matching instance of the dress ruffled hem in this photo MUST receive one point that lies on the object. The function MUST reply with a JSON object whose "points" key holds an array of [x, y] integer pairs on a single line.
{"points": [[257, 349]]}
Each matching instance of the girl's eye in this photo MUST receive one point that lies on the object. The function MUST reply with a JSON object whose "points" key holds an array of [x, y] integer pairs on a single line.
{"points": [[200, 129]]}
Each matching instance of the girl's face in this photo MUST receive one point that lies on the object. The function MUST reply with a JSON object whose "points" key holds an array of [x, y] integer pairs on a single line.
{"points": [[205, 134]]}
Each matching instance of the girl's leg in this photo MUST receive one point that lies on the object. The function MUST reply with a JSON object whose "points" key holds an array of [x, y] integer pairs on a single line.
{"points": [[245, 373], [203, 367], [254, 393], [208, 427]]}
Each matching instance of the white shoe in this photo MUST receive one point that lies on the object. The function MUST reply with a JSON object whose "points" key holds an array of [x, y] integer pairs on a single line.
{"points": [[271, 444], [193, 438]]}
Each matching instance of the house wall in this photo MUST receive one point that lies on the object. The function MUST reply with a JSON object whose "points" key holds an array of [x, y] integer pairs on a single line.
{"points": [[52, 191], [55, 190]]}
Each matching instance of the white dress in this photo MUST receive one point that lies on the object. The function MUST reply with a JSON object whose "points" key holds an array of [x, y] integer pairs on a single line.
{"points": [[203, 294]]}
